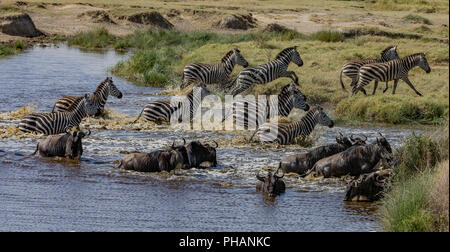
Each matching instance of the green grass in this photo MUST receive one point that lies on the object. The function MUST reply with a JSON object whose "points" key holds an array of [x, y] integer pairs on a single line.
{"points": [[328, 36], [99, 38], [11, 49]]}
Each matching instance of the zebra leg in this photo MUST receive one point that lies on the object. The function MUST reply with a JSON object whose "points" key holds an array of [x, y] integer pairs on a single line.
{"points": [[354, 82], [405, 79], [386, 88], [395, 86], [292, 75], [375, 87]]}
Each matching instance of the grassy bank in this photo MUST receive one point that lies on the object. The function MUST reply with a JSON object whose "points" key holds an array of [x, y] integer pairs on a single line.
{"points": [[11, 48], [160, 56], [418, 199]]}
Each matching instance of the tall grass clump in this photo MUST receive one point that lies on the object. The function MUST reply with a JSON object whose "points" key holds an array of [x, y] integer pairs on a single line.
{"points": [[392, 109], [7, 49], [418, 199], [417, 19], [98, 38], [328, 36]]}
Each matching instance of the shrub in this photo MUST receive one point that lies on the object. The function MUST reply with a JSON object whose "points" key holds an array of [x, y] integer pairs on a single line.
{"points": [[328, 36]]}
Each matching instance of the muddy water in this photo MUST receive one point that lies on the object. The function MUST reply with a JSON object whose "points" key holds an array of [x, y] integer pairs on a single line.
{"points": [[39, 194]]}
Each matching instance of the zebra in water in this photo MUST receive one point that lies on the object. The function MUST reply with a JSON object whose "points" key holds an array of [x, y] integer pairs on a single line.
{"points": [[391, 70], [285, 133], [100, 95], [351, 69], [165, 109], [213, 73], [59, 122], [268, 72], [289, 98]]}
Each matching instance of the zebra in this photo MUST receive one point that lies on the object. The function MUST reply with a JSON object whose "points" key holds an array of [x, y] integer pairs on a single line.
{"points": [[391, 70], [289, 98], [100, 95], [287, 132], [351, 69], [212, 73], [51, 123], [268, 72], [164, 110]]}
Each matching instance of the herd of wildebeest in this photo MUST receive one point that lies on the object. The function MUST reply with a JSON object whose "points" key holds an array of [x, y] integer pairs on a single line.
{"points": [[350, 155]]}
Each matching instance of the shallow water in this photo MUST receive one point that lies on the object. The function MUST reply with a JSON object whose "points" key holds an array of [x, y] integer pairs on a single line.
{"points": [[41, 194]]}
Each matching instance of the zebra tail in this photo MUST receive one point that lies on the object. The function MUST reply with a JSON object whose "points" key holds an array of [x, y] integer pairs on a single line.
{"points": [[37, 148], [139, 115], [53, 109], [306, 173], [340, 79]]}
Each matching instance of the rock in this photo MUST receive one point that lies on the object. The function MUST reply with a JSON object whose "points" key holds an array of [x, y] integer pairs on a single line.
{"points": [[237, 22], [19, 25], [151, 18], [98, 16], [367, 187]]}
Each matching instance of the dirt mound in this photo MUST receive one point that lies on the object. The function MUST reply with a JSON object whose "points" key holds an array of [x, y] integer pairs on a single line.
{"points": [[19, 25], [237, 22], [97, 16], [151, 18], [275, 28]]}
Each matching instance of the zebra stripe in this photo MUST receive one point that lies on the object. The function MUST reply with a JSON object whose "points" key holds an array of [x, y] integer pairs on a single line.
{"points": [[165, 109], [268, 72], [391, 70], [58, 122], [351, 69], [100, 95], [212, 73], [251, 117], [285, 133]]}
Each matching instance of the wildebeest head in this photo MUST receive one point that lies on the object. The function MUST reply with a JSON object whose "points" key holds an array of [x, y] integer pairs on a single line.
{"points": [[272, 184], [74, 147], [367, 187], [199, 153], [358, 140], [181, 149], [385, 147], [341, 139]]}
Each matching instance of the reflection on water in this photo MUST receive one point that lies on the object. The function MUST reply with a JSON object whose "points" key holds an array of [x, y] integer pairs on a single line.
{"points": [[51, 194]]}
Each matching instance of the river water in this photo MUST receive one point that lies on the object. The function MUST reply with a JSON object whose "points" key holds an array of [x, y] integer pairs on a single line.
{"points": [[51, 194]]}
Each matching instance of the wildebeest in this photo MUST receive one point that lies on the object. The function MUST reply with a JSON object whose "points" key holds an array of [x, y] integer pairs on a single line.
{"points": [[301, 163], [68, 145], [367, 187], [354, 161], [156, 161], [194, 154], [271, 184]]}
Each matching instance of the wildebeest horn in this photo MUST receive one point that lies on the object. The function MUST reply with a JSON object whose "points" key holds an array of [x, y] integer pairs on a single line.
{"points": [[340, 133], [217, 145], [365, 138], [89, 132], [184, 141], [259, 177], [351, 138], [380, 134], [275, 174]]}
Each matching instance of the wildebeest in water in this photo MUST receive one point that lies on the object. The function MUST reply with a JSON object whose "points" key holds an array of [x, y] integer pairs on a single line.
{"points": [[68, 145], [272, 184]]}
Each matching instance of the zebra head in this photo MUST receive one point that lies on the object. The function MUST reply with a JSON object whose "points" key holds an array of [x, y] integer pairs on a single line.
{"points": [[113, 90], [90, 105], [323, 118], [295, 57], [390, 53], [298, 99], [423, 63], [238, 58]]}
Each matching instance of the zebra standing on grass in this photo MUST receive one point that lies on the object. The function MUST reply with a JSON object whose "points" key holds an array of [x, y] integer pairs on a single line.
{"points": [[100, 95], [212, 74], [391, 70], [58, 122], [289, 98], [287, 132], [351, 69], [163, 110], [268, 72]]}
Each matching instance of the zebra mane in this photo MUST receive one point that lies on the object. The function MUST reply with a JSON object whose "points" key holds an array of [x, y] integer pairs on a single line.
{"points": [[228, 55], [284, 52], [386, 49], [102, 85]]}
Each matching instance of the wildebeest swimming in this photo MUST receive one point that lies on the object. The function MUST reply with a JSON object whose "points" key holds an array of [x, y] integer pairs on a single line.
{"points": [[272, 184], [194, 154], [301, 163], [354, 161], [367, 187], [68, 145]]}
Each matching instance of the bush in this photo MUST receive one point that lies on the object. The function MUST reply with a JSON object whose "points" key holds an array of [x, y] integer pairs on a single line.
{"points": [[99, 38]]}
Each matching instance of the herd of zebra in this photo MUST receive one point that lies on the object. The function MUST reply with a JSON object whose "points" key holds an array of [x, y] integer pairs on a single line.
{"points": [[71, 109]]}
